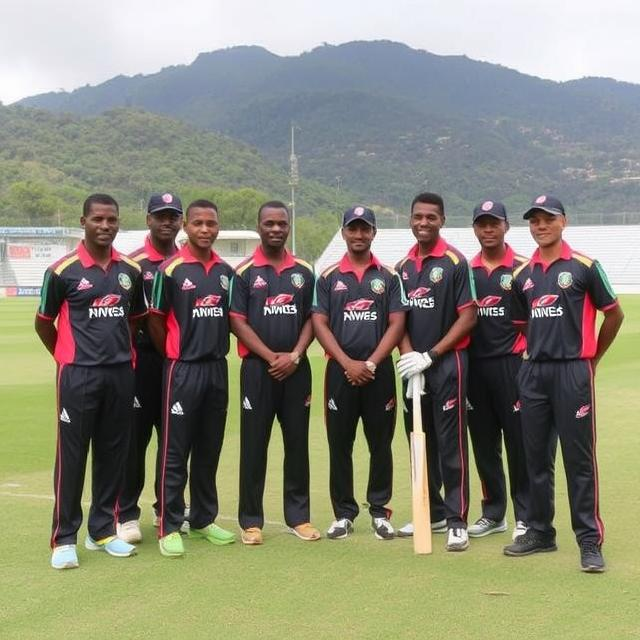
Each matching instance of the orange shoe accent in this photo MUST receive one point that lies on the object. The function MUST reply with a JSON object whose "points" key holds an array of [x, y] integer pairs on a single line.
{"points": [[252, 535], [305, 531]]}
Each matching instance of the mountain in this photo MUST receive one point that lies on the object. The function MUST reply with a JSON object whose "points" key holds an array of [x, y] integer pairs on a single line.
{"points": [[383, 121]]}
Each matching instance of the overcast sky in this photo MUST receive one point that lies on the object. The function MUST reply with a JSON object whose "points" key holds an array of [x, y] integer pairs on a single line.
{"points": [[47, 46]]}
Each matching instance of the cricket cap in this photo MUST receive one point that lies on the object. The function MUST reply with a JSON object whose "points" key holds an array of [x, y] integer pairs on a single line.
{"points": [[163, 202], [547, 203], [359, 213], [490, 208]]}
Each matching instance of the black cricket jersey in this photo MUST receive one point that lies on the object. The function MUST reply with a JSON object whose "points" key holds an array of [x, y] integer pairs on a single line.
{"points": [[194, 297], [438, 287], [495, 334], [93, 306], [275, 302], [558, 301], [149, 259], [358, 304]]}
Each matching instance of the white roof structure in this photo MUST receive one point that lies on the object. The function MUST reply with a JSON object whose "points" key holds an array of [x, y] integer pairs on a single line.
{"points": [[616, 247]]}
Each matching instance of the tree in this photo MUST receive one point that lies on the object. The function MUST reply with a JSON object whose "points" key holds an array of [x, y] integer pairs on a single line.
{"points": [[35, 203]]}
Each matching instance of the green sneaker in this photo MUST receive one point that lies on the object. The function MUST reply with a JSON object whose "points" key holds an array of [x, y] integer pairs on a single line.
{"points": [[171, 545], [214, 534]]}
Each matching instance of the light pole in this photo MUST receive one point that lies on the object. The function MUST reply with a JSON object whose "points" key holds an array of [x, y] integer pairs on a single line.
{"points": [[294, 179]]}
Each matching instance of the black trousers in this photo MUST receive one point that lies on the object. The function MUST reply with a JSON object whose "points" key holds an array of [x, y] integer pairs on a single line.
{"points": [[147, 410], [345, 404], [94, 406], [262, 399], [494, 413], [559, 397], [444, 420], [194, 414]]}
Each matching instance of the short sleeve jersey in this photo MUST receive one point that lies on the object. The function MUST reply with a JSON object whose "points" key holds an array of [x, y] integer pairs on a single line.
{"points": [[495, 334], [558, 301], [438, 286], [194, 297], [275, 302], [149, 259], [92, 306], [358, 304]]}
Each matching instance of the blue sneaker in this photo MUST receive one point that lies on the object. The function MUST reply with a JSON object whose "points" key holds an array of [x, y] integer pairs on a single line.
{"points": [[113, 545], [64, 557]]}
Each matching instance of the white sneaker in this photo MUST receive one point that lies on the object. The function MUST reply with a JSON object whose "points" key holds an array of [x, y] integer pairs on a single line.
{"points": [[457, 539], [406, 531], [519, 530], [129, 531], [382, 528], [339, 529], [439, 526], [485, 526]]}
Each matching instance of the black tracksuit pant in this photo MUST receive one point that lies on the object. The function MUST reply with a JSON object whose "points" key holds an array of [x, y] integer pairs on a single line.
{"points": [[345, 404], [147, 409], [559, 397], [494, 412], [94, 406], [194, 413], [444, 420]]}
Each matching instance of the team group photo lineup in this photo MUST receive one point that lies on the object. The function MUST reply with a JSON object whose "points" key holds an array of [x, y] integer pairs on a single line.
{"points": [[491, 348]]}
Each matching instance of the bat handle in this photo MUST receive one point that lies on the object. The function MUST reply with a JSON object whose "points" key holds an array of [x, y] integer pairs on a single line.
{"points": [[416, 388]]}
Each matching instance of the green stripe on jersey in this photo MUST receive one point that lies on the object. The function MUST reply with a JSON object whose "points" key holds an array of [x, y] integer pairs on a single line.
{"points": [[156, 291], [472, 283], [605, 280], [44, 292]]}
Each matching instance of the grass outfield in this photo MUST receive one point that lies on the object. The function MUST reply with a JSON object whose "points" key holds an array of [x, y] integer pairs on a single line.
{"points": [[359, 587]]}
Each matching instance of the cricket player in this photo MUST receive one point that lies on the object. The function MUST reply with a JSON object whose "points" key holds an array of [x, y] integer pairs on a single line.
{"points": [[189, 323], [93, 293], [271, 300], [495, 354], [358, 317], [441, 315], [164, 220], [557, 294]]}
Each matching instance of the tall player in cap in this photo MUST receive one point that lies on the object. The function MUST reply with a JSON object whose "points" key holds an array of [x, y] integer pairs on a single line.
{"points": [[164, 219], [441, 315], [495, 354], [189, 323], [358, 317], [557, 294], [270, 308], [93, 292]]}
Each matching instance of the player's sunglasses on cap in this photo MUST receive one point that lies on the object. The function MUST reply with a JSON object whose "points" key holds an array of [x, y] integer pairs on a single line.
{"points": [[359, 213], [547, 203], [490, 208], [164, 202]]}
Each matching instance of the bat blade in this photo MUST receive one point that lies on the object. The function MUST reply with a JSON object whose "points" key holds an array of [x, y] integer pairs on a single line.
{"points": [[420, 495]]}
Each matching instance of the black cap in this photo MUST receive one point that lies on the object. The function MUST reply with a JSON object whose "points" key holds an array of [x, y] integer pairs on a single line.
{"points": [[547, 203], [163, 202], [490, 208], [359, 213]]}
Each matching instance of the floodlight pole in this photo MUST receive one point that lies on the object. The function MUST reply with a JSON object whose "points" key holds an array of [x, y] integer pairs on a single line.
{"points": [[293, 181]]}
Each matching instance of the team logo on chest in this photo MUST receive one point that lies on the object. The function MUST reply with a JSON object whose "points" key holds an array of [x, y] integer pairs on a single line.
{"points": [[488, 306], [565, 280], [505, 281], [528, 284], [259, 283], [281, 305], [187, 285], [224, 282], [420, 298], [436, 274], [297, 280], [84, 284], [544, 307], [377, 286], [340, 286], [125, 281], [107, 307], [359, 310], [207, 307]]}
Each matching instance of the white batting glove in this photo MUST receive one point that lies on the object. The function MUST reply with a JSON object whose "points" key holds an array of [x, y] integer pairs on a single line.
{"points": [[409, 391], [413, 363]]}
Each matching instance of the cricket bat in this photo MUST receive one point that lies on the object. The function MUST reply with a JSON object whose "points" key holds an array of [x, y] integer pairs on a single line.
{"points": [[419, 483]]}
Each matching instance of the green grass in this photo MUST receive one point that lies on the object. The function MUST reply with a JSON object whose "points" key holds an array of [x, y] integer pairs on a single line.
{"points": [[359, 587]]}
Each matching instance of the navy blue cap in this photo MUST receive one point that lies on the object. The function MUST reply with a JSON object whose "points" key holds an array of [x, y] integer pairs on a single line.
{"points": [[163, 202], [490, 208], [359, 213], [547, 203]]}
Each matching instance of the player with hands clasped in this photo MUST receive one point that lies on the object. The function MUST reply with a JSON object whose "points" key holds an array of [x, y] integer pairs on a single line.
{"points": [[556, 294], [442, 312], [271, 300], [358, 317]]}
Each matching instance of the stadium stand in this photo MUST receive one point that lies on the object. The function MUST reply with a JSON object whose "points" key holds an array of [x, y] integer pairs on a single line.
{"points": [[616, 247]]}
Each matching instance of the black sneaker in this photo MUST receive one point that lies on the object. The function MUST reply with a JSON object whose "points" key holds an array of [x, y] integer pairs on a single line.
{"points": [[340, 529], [530, 542], [591, 560], [382, 528]]}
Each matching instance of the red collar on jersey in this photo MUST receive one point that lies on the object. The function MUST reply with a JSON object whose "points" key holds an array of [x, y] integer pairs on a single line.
{"points": [[86, 259], [507, 260], [153, 254], [261, 260], [564, 255], [187, 256]]}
